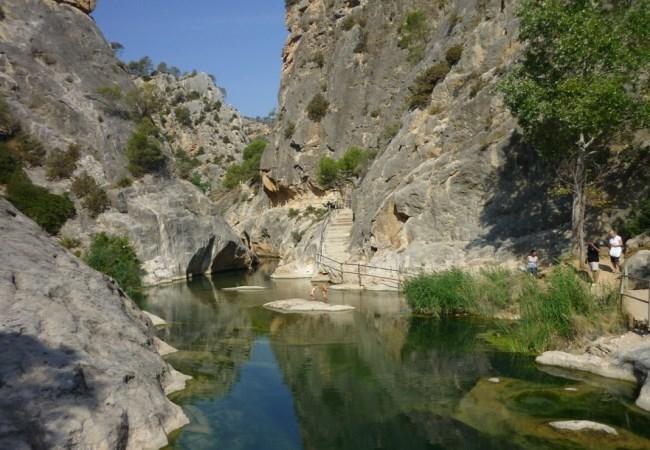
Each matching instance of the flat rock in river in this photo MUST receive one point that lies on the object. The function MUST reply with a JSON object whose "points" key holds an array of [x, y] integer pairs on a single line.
{"points": [[298, 305], [583, 425]]}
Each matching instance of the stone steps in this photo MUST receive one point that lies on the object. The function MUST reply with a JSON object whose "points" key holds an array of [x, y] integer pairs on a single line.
{"points": [[337, 239]]}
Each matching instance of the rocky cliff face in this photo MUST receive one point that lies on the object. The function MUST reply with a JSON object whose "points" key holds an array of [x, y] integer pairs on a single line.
{"points": [[55, 64], [79, 363], [451, 183]]}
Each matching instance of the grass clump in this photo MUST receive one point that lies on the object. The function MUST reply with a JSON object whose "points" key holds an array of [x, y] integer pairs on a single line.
{"points": [[183, 116], [50, 211], [143, 149], [424, 84], [413, 35], [553, 312], [61, 165], [185, 164], [249, 168], [8, 163], [317, 108], [116, 257]]}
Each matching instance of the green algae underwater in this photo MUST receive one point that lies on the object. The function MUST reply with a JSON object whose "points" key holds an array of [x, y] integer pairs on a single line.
{"points": [[375, 378]]}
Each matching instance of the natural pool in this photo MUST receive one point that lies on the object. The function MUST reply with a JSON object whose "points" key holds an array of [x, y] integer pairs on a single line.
{"points": [[376, 378]]}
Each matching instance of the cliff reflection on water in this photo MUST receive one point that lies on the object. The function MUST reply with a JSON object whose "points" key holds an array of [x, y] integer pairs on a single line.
{"points": [[375, 378]]}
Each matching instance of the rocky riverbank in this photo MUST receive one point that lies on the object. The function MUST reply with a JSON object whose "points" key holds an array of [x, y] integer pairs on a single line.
{"points": [[80, 366], [625, 358]]}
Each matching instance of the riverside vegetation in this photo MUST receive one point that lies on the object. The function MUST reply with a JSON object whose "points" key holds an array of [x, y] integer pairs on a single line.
{"points": [[552, 312]]}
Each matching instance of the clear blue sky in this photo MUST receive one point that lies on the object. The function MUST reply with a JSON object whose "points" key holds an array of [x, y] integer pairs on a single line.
{"points": [[240, 42]]}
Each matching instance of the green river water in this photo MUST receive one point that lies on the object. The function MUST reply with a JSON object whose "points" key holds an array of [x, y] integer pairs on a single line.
{"points": [[375, 378]]}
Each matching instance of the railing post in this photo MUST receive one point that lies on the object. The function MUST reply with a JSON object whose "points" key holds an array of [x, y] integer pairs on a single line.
{"points": [[648, 305], [359, 273], [622, 288]]}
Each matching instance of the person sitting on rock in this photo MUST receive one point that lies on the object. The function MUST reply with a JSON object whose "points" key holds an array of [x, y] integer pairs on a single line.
{"points": [[532, 263], [323, 290], [593, 259]]}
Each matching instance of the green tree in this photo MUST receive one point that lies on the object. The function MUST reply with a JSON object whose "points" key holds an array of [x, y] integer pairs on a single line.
{"points": [[582, 85], [143, 149], [249, 168], [328, 172], [115, 257]]}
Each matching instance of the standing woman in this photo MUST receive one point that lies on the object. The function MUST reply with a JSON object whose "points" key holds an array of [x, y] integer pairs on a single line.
{"points": [[593, 259], [615, 250]]}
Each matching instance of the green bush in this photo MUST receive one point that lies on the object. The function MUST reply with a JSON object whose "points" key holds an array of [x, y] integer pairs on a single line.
{"points": [[413, 35], [453, 55], [185, 164], [249, 167], [197, 181], [28, 150], [424, 84], [96, 201], [390, 132], [293, 213], [82, 184], [124, 182], [297, 236], [144, 101], [183, 116], [143, 149], [48, 210], [639, 221], [317, 108], [115, 257], [61, 165], [8, 163], [328, 172], [69, 243]]}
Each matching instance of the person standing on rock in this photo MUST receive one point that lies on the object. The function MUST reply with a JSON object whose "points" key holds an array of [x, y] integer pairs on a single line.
{"points": [[532, 263], [615, 250], [593, 259]]}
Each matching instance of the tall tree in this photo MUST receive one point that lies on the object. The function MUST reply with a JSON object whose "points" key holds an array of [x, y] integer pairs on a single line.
{"points": [[581, 85]]}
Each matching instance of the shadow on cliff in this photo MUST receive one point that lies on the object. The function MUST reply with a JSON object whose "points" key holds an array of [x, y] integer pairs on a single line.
{"points": [[37, 385], [521, 215]]}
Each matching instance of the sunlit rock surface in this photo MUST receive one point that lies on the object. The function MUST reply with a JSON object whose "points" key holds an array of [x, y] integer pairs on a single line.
{"points": [[80, 368]]}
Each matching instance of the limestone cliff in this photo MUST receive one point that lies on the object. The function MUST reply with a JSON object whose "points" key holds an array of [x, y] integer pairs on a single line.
{"points": [[55, 65], [451, 184], [79, 363]]}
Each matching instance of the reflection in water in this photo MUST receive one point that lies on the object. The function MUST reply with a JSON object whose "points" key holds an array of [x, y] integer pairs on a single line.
{"points": [[373, 379]]}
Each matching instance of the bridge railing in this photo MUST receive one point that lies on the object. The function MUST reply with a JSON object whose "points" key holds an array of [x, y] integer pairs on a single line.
{"points": [[390, 277], [627, 293]]}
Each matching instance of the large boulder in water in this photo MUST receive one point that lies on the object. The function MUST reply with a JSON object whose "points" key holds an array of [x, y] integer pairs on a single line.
{"points": [[79, 362], [638, 267]]}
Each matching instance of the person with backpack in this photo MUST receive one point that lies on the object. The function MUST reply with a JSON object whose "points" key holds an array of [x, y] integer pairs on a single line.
{"points": [[593, 259]]}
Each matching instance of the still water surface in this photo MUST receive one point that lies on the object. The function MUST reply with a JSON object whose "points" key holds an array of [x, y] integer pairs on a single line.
{"points": [[376, 378]]}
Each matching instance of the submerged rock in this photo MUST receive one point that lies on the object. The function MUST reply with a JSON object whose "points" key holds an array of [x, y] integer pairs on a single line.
{"points": [[297, 305], [583, 425], [588, 363], [80, 368]]}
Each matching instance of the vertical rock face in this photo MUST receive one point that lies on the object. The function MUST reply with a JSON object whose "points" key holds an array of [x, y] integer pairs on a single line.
{"points": [[79, 367], [451, 183], [54, 66]]}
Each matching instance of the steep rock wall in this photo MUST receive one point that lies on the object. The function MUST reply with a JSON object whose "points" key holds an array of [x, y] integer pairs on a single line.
{"points": [[54, 62], [451, 184]]}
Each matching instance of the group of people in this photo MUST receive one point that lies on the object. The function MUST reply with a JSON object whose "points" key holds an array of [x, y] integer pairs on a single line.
{"points": [[615, 244]]}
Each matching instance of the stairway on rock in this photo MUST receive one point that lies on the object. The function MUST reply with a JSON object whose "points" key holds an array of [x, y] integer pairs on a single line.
{"points": [[337, 238]]}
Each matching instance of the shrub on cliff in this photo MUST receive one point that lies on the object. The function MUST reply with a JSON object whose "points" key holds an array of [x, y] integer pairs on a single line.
{"points": [[249, 168], [94, 198], [413, 35], [143, 149], [317, 108], [183, 116], [60, 165], [454, 54], [115, 257], [328, 172], [424, 84], [28, 150], [48, 210], [8, 163], [354, 161]]}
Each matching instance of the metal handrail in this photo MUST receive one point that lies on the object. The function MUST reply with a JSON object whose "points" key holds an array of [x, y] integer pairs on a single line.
{"points": [[401, 276]]}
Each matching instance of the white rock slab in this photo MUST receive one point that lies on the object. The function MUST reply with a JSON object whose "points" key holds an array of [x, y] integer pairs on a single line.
{"points": [[583, 425], [244, 288], [176, 381], [157, 321], [299, 305], [588, 363], [162, 347], [494, 380]]}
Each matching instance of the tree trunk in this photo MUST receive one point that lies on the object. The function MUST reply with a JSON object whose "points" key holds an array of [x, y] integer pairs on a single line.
{"points": [[578, 211]]}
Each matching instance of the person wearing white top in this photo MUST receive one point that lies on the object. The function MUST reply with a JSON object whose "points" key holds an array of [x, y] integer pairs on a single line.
{"points": [[615, 250], [532, 263]]}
